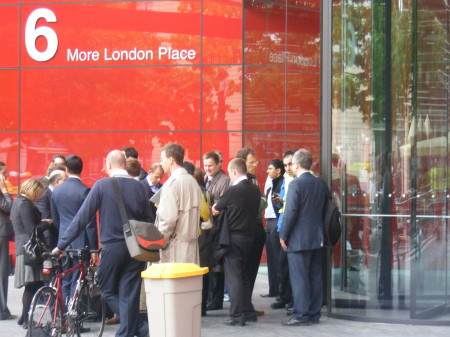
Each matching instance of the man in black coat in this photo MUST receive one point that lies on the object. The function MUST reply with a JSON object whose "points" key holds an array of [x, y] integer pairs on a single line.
{"points": [[301, 236], [241, 202], [6, 230]]}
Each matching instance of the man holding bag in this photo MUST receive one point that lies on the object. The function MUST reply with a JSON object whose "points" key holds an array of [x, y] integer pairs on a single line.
{"points": [[119, 274]]}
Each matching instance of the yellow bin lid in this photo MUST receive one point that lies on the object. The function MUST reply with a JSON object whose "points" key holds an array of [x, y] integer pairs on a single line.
{"points": [[173, 270]]}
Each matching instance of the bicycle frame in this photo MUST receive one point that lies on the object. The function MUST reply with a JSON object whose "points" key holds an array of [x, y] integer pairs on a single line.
{"points": [[56, 284]]}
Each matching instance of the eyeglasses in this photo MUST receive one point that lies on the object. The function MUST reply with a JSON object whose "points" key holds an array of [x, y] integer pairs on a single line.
{"points": [[253, 163]]}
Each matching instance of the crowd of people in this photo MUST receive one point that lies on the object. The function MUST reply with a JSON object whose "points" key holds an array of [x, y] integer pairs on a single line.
{"points": [[212, 217]]}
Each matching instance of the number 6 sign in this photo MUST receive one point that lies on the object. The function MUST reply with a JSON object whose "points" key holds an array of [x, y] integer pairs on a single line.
{"points": [[32, 33]]}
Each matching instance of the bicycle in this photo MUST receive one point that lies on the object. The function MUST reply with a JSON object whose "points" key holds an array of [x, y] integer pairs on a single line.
{"points": [[86, 309]]}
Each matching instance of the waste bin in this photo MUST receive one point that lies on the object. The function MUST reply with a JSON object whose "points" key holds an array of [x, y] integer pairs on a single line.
{"points": [[174, 297]]}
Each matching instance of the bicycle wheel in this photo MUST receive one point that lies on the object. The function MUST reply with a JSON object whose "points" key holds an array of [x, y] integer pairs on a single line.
{"points": [[90, 311], [46, 316]]}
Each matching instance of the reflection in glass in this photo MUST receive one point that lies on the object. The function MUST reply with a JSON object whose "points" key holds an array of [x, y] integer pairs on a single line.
{"points": [[390, 159]]}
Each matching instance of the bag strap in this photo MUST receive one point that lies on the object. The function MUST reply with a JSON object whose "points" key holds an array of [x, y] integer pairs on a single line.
{"points": [[120, 203]]}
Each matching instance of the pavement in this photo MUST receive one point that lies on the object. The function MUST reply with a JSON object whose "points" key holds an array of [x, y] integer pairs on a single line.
{"points": [[267, 325]]}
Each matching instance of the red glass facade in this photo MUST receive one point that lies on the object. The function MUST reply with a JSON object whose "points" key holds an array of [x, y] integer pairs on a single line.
{"points": [[87, 77]]}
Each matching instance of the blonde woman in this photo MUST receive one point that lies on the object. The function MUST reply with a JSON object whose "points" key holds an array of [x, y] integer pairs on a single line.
{"points": [[25, 217]]}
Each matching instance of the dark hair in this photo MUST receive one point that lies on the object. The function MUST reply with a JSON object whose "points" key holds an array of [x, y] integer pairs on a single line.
{"points": [[243, 153], [212, 155], [239, 165], [278, 164], [190, 168], [289, 153], [174, 151], [58, 156], [133, 167], [74, 164], [130, 152], [304, 158], [198, 175], [53, 167]]}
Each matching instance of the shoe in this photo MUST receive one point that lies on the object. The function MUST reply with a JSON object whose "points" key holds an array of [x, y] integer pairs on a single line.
{"points": [[226, 298], [233, 322], [278, 305], [267, 295], [295, 322], [114, 320], [289, 306], [251, 317], [8, 317], [259, 313], [290, 311], [213, 306]]}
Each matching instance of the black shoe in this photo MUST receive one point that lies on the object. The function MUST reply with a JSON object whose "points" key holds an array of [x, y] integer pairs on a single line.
{"points": [[295, 322], [213, 306], [251, 317], [233, 322], [278, 305], [267, 295], [289, 306], [290, 311]]}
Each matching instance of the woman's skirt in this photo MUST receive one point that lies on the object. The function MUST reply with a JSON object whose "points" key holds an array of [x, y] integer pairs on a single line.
{"points": [[26, 274]]}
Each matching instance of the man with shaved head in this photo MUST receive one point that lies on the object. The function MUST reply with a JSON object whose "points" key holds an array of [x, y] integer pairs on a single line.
{"points": [[241, 204], [118, 273]]}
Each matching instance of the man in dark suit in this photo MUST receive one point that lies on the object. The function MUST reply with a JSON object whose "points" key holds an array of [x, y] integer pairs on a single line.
{"points": [[56, 177], [6, 230], [241, 202], [119, 275], [152, 184], [301, 236], [66, 200]]}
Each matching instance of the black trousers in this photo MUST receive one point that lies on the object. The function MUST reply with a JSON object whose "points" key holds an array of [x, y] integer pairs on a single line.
{"points": [[255, 253], [285, 281], [272, 252], [4, 274], [120, 284], [236, 263]]}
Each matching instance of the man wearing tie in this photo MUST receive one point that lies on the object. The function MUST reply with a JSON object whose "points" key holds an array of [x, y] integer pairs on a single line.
{"points": [[152, 183]]}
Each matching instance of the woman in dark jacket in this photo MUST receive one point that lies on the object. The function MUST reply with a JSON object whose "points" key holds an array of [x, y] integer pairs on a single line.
{"points": [[25, 217]]}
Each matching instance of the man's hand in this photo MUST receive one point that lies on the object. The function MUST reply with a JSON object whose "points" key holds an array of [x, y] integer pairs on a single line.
{"points": [[215, 212], [49, 221], [277, 200], [94, 259], [283, 244], [57, 251]]}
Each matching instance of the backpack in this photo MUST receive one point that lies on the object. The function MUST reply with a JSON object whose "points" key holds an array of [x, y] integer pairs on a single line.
{"points": [[331, 222]]}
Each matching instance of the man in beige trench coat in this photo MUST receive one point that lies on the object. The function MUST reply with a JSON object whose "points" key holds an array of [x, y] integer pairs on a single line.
{"points": [[178, 213]]}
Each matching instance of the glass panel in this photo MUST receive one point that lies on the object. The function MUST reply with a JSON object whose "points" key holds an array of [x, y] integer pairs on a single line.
{"points": [[9, 99], [135, 33], [9, 148], [222, 32], [390, 159], [37, 149], [150, 98], [222, 98], [9, 36]]}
